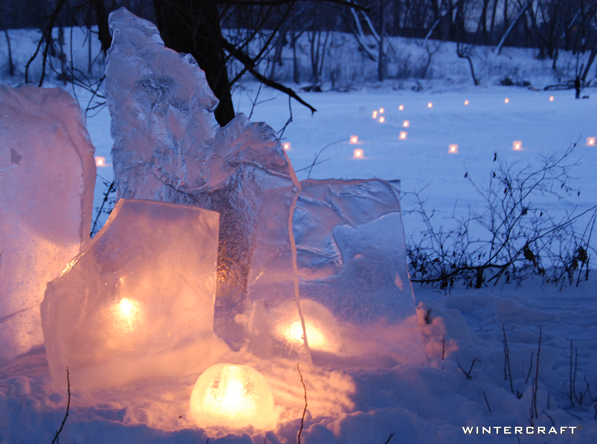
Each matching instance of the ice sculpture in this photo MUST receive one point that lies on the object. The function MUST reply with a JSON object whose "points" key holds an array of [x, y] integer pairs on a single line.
{"points": [[167, 147], [137, 303], [354, 284], [47, 177]]}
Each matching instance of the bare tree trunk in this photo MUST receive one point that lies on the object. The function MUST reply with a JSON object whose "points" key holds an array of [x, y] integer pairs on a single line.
{"points": [[315, 35], [194, 28], [381, 60], [482, 26], [505, 14], [62, 55], [463, 52], [278, 52], [102, 24], [296, 77], [505, 36], [11, 66], [89, 59], [589, 63], [493, 13]]}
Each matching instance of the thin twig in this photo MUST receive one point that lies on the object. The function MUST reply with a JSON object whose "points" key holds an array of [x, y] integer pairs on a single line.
{"points": [[389, 438], [486, 401], [310, 167], [536, 380], [55, 440], [111, 188], [593, 401], [46, 37], [468, 374], [530, 368], [507, 369], [305, 408]]}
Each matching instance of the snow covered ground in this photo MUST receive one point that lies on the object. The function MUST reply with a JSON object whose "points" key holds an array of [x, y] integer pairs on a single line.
{"points": [[421, 402]]}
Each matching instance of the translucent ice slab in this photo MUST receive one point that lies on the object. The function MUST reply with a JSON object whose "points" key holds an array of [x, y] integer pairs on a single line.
{"points": [[354, 284], [47, 176], [137, 303]]}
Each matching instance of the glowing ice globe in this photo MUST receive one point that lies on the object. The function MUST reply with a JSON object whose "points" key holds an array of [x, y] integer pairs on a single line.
{"points": [[232, 396]]}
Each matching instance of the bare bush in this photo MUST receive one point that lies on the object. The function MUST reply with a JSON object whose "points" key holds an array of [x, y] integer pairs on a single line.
{"points": [[513, 237]]}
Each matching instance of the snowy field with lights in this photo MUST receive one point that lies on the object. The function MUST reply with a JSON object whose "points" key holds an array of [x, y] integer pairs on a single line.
{"points": [[454, 392]]}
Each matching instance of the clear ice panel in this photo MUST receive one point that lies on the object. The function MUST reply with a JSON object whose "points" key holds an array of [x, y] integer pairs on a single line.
{"points": [[47, 177], [137, 303], [354, 285], [168, 147]]}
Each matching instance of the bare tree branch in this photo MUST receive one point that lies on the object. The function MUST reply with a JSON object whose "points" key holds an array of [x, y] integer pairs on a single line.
{"points": [[250, 64]]}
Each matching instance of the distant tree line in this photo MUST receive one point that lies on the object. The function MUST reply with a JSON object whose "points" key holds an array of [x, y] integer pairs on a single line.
{"points": [[244, 33], [549, 25]]}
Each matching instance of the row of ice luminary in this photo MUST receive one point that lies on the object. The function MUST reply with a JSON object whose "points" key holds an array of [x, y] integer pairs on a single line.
{"points": [[430, 105], [354, 140], [452, 149]]}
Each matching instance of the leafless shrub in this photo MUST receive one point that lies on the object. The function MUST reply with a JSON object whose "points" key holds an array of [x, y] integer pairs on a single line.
{"points": [[517, 238]]}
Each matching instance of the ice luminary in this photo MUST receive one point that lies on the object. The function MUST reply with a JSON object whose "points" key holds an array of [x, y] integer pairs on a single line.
{"points": [[381, 110], [100, 161], [357, 154], [382, 119], [234, 397], [591, 141], [374, 115], [551, 98], [322, 329], [430, 105], [466, 102], [506, 100], [406, 124], [401, 108], [403, 135], [354, 140], [138, 302], [517, 145], [453, 149], [354, 286], [47, 175], [286, 146]]}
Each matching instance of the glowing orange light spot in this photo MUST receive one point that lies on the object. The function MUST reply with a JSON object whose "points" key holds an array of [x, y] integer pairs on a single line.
{"points": [[430, 105], [517, 145], [127, 314], [406, 124], [374, 115], [100, 161], [402, 135], [591, 141], [354, 140], [382, 119], [286, 146], [401, 107], [551, 98], [381, 110], [358, 154], [507, 101], [453, 149], [233, 396], [466, 102]]}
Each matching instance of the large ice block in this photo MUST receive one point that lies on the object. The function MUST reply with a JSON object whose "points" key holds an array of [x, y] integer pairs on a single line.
{"points": [[137, 303], [167, 147], [354, 285], [47, 177]]}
